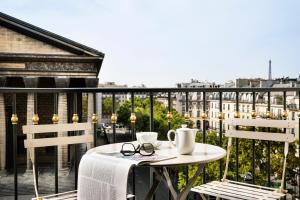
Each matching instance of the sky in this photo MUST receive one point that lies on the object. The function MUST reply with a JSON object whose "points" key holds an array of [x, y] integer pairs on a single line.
{"points": [[163, 42]]}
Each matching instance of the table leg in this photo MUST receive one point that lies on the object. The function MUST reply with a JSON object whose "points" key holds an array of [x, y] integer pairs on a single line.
{"points": [[183, 194], [155, 184], [169, 183], [160, 174]]}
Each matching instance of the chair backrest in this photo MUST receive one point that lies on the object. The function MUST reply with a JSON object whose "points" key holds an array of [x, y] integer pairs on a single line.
{"points": [[286, 137], [279, 137], [31, 142]]}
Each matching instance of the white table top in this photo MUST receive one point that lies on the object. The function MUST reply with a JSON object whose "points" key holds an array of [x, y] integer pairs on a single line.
{"points": [[203, 153]]}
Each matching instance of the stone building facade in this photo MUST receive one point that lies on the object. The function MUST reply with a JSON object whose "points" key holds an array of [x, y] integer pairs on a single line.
{"points": [[261, 106], [195, 100], [32, 57]]}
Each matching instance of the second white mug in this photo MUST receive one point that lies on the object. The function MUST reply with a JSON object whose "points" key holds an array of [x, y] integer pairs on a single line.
{"points": [[146, 137]]}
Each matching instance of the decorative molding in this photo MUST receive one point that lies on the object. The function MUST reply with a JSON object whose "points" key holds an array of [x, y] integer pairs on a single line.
{"points": [[61, 67], [12, 65]]}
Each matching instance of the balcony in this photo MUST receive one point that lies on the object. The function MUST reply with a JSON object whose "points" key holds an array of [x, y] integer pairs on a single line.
{"points": [[255, 162]]}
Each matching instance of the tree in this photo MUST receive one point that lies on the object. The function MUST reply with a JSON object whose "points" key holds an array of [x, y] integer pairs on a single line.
{"points": [[107, 106], [142, 112]]}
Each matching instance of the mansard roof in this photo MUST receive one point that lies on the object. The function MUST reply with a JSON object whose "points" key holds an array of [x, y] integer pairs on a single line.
{"points": [[47, 36]]}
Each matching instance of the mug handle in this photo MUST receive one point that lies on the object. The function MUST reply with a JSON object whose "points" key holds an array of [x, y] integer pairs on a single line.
{"points": [[169, 137]]}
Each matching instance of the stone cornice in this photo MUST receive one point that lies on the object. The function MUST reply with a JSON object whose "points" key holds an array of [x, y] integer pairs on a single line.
{"points": [[20, 73], [17, 57]]}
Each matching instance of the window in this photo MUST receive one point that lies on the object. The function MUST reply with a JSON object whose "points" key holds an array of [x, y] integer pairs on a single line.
{"points": [[228, 106], [223, 106]]}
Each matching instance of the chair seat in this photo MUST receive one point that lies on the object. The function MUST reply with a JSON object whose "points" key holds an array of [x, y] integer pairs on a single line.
{"points": [[238, 191], [71, 195]]}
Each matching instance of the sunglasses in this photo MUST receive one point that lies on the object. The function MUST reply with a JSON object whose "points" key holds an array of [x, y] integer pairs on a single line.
{"points": [[145, 149]]}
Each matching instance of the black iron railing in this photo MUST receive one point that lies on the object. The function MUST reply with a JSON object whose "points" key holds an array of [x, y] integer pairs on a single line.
{"points": [[151, 93]]}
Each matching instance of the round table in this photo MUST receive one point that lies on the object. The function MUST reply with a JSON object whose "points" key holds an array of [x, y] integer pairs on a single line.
{"points": [[202, 154]]}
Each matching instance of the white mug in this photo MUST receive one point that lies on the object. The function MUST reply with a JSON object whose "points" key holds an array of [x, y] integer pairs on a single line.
{"points": [[146, 137]]}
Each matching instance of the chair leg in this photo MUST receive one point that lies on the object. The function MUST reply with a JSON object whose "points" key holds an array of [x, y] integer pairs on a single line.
{"points": [[202, 196]]}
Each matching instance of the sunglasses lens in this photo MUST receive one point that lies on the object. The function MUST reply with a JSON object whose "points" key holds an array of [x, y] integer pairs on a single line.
{"points": [[146, 149], [128, 149]]}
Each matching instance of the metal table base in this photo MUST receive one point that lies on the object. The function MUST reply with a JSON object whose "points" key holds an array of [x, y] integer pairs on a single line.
{"points": [[162, 173]]}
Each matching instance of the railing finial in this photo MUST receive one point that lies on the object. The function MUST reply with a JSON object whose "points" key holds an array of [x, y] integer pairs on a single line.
{"points": [[55, 119], [14, 119], [35, 119]]}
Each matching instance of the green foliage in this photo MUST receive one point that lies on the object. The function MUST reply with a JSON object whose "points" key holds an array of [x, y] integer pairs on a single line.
{"points": [[107, 106], [142, 112], [84, 106]]}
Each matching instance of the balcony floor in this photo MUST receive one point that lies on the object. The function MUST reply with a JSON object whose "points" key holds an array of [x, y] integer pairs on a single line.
{"points": [[25, 183]]}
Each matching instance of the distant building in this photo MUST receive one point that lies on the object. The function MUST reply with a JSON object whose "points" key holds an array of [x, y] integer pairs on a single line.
{"points": [[246, 98], [136, 94], [195, 99]]}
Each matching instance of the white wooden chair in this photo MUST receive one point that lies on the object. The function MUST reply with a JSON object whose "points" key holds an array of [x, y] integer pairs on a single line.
{"points": [[227, 189], [31, 143]]}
